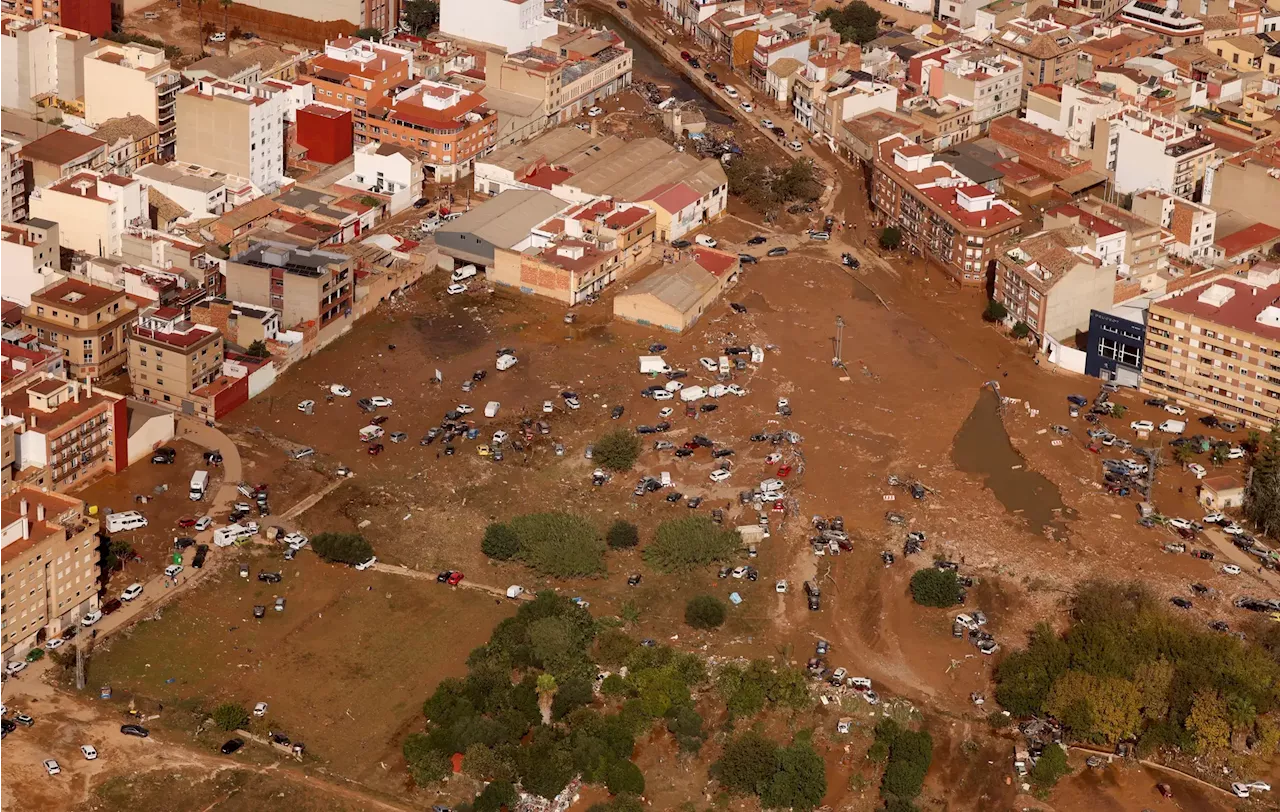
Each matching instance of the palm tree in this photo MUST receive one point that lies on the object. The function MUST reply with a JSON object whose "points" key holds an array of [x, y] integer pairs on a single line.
{"points": [[226, 10], [546, 692], [200, 23]]}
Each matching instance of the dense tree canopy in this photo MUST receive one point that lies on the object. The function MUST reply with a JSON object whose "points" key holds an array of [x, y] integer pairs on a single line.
{"points": [[791, 777], [935, 587], [1262, 497], [856, 22], [681, 544], [704, 612], [557, 544], [617, 450], [347, 548]]}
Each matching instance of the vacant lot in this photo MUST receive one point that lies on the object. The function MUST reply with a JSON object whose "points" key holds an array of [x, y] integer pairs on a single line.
{"points": [[344, 668]]}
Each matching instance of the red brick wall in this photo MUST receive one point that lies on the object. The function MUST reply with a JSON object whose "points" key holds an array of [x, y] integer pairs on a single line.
{"points": [[90, 16], [328, 140], [120, 433], [231, 397]]}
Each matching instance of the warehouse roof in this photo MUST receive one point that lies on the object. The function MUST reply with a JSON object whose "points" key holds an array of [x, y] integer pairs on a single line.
{"points": [[506, 219]]}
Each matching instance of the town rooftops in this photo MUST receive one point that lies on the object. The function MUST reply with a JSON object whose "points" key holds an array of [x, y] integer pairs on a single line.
{"points": [[716, 263], [673, 197], [1247, 239], [571, 254], [44, 513], [61, 147], [506, 219], [291, 259], [76, 296], [680, 287], [185, 335], [133, 127], [1090, 223], [1247, 305]]}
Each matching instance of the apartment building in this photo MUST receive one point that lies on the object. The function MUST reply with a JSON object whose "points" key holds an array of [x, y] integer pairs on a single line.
{"points": [[383, 15], [93, 211], [1169, 23], [253, 64], [1048, 51], [1103, 239], [357, 75], [171, 358], [988, 81], [942, 214], [1051, 282], [567, 86], [42, 63], [1145, 247], [782, 35], [125, 80], [1191, 225], [305, 286], [1216, 346], [13, 181], [821, 105], [512, 25], [388, 172], [1146, 151], [131, 142], [199, 264], [30, 257], [1072, 111], [1246, 182], [449, 126], [60, 154], [66, 432], [236, 129], [92, 17], [1118, 48], [50, 567], [89, 323], [200, 190]]}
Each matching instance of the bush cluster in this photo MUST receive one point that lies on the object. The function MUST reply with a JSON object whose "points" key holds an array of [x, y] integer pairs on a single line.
{"points": [[346, 548], [557, 544]]}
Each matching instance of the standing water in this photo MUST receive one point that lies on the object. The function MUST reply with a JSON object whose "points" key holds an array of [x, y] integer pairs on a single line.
{"points": [[982, 447]]}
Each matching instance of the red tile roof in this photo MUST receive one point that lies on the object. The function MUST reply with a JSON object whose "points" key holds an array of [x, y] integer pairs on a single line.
{"points": [[673, 197], [626, 218], [1089, 222], [1240, 311], [1246, 239], [715, 263]]}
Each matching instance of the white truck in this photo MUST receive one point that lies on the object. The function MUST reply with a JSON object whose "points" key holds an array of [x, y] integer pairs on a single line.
{"points": [[506, 361], [650, 364], [128, 520], [692, 393], [199, 484], [1173, 426]]}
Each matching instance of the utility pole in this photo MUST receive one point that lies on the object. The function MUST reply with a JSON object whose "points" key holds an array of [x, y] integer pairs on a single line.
{"points": [[79, 668], [838, 360]]}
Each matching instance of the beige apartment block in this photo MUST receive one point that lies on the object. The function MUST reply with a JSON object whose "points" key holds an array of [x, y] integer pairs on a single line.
{"points": [[171, 357], [49, 567], [88, 323], [233, 129], [126, 80], [305, 286]]}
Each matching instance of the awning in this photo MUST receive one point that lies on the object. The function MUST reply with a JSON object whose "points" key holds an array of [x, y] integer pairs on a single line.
{"points": [[1076, 184]]}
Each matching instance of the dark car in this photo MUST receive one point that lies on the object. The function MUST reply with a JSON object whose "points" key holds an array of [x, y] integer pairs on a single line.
{"points": [[708, 407], [850, 261], [674, 496], [183, 542], [680, 243], [722, 452], [479, 375], [710, 77], [694, 502], [376, 449], [701, 442], [815, 603], [747, 259], [663, 426], [684, 452], [110, 606], [780, 251], [1209, 420], [737, 308], [645, 430], [269, 577], [164, 456], [202, 550], [1159, 403], [778, 131], [379, 420], [135, 730], [231, 746], [677, 374], [616, 413], [757, 240], [213, 457], [634, 580], [7, 727], [443, 578], [421, 203], [260, 611], [694, 62], [1181, 603]]}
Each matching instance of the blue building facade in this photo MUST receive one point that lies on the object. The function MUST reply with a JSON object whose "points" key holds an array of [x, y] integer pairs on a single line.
{"points": [[1115, 349]]}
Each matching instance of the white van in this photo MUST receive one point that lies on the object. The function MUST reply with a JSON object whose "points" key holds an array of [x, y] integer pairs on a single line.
{"points": [[666, 479], [491, 408], [370, 433], [506, 362], [692, 393], [705, 241], [724, 365], [757, 354], [1173, 426], [465, 272], [226, 536], [717, 390], [514, 591], [128, 520]]}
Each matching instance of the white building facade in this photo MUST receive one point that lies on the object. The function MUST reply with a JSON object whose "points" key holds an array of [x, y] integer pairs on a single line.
{"points": [[506, 23]]}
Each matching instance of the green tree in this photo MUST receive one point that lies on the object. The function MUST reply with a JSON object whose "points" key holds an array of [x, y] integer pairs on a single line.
{"points": [[546, 695], [1100, 709], [1219, 455], [559, 544], [704, 612], [1183, 454], [200, 23], [258, 349], [685, 723], [890, 238], [798, 181], [1118, 411], [1262, 496], [426, 764], [934, 587], [485, 763], [230, 716], [799, 781], [621, 803], [747, 765], [624, 777], [373, 34], [1020, 330], [1154, 680], [1253, 440], [618, 450], [995, 311], [421, 16], [346, 548], [226, 29], [681, 544], [1208, 723], [855, 22], [622, 535], [495, 797], [910, 755], [1050, 767], [500, 542]]}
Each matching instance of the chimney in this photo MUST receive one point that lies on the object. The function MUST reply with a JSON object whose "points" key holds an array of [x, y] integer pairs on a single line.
{"points": [[32, 419], [88, 387], [40, 511], [22, 507], [75, 393]]}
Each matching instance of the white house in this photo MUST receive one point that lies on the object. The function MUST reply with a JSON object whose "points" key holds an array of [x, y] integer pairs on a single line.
{"points": [[511, 24], [389, 170], [92, 211], [29, 259]]}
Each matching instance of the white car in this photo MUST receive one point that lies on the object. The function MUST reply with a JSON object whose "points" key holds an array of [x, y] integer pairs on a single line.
{"points": [[665, 411], [218, 37], [340, 390], [768, 123], [55, 643], [734, 389], [731, 92], [673, 386], [1215, 518], [1240, 790], [709, 364], [662, 394], [595, 111], [89, 752], [548, 407], [14, 667], [306, 405], [572, 403], [748, 106], [739, 572], [773, 459], [783, 403], [1230, 569], [380, 401], [1260, 786], [51, 767], [203, 523], [1180, 524], [719, 475], [172, 570], [780, 587], [465, 409], [91, 618], [131, 592], [260, 709], [771, 485], [455, 289], [1173, 409], [367, 564], [1142, 425], [706, 241], [1197, 469], [1233, 530], [499, 437], [1236, 453], [839, 674], [296, 541]]}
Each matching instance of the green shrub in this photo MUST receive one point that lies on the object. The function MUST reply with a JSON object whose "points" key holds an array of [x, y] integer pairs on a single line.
{"points": [[618, 450], [345, 548], [624, 777], [1021, 330], [622, 535], [559, 544], [1051, 766], [890, 238], [995, 311], [682, 544], [704, 612], [935, 587], [230, 716], [500, 542]]}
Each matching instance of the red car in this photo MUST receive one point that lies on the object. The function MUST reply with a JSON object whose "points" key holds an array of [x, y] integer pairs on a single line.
{"points": [[780, 506], [455, 578], [784, 471], [375, 449], [186, 521], [691, 445], [686, 56]]}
